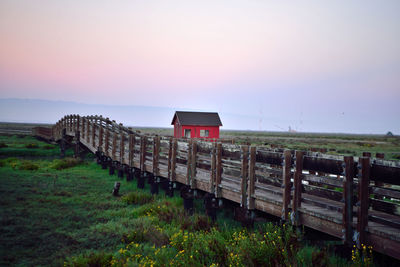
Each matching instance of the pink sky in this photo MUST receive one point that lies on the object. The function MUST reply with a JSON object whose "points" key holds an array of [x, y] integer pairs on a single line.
{"points": [[317, 59]]}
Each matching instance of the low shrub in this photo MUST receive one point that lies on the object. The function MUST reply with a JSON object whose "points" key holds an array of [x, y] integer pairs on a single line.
{"points": [[27, 165], [196, 223], [92, 259], [31, 145], [145, 231], [2, 145], [138, 197], [60, 164], [2, 163]]}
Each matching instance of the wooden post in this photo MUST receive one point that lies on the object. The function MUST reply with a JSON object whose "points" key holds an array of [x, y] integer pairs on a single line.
{"points": [[131, 149], [189, 163], [362, 214], [173, 160], [83, 128], [114, 146], [77, 123], [252, 178], [193, 165], [286, 175], [87, 130], [213, 168], [122, 148], [94, 134], [366, 154], [107, 143], [143, 141], [348, 199], [218, 172], [156, 155], [297, 185], [70, 123], [244, 174], [101, 130], [169, 159]]}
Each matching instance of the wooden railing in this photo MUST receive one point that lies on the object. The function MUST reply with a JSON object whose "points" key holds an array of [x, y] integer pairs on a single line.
{"points": [[354, 199]]}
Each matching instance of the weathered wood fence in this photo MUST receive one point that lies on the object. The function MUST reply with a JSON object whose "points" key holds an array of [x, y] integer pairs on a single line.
{"points": [[355, 199]]}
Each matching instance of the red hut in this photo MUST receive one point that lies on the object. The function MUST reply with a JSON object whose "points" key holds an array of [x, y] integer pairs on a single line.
{"points": [[196, 124]]}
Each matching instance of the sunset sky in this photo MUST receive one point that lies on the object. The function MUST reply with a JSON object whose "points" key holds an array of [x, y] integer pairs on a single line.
{"points": [[322, 66]]}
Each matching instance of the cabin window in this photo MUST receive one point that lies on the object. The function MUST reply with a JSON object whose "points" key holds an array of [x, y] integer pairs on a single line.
{"points": [[187, 133], [204, 133]]}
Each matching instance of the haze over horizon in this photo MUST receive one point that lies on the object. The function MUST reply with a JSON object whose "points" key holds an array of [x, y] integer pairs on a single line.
{"points": [[263, 65]]}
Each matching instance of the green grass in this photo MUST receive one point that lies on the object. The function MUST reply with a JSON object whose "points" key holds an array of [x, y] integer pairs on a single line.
{"points": [[62, 212], [337, 144], [27, 147]]}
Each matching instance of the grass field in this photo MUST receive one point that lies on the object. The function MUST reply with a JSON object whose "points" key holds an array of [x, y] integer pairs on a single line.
{"points": [[61, 212], [335, 143]]}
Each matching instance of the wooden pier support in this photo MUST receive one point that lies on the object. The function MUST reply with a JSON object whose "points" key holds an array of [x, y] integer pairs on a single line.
{"points": [[115, 191], [154, 186], [244, 216], [211, 206], [188, 196], [141, 179]]}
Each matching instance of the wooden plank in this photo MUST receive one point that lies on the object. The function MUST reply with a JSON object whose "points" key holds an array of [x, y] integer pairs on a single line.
{"points": [[268, 207], [363, 195], [322, 165], [387, 192], [204, 147], [193, 164], [297, 185], [286, 174], [244, 175], [379, 156], [348, 199], [227, 152], [384, 245], [387, 207], [269, 157], [252, 178], [324, 224], [322, 192], [385, 174], [324, 180]]}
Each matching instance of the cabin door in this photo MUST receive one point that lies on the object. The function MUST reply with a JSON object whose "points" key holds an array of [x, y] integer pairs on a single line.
{"points": [[187, 133]]}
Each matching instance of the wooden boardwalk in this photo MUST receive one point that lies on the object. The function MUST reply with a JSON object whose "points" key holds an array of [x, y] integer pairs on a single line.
{"points": [[354, 199]]}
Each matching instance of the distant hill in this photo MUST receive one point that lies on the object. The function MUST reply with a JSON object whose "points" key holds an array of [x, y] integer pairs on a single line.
{"points": [[45, 111]]}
